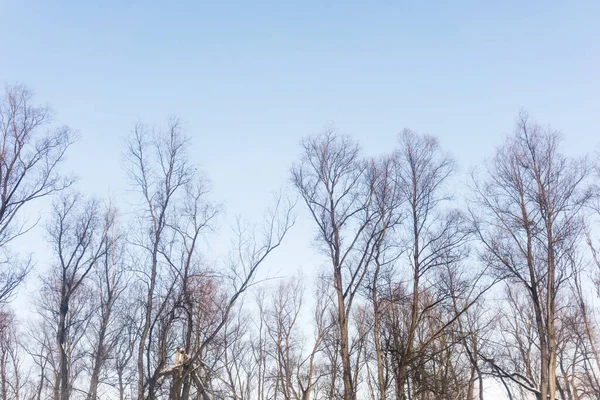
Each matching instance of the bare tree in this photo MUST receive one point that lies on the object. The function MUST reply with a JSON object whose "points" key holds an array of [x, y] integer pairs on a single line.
{"points": [[13, 377], [435, 237], [78, 235], [175, 215], [312, 368], [337, 190], [109, 284], [195, 216], [251, 251], [159, 170], [531, 203], [41, 347], [284, 345], [30, 153], [387, 250], [127, 330]]}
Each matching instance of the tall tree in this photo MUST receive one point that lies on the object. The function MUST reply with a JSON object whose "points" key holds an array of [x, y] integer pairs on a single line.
{"points": [[332, 180], [109, 282], [434, 237], [31, 150], [159, 169], [77, 233], [531, 201]]}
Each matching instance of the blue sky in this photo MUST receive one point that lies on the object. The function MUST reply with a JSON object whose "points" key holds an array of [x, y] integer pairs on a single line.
{"points": [[250, 79]]}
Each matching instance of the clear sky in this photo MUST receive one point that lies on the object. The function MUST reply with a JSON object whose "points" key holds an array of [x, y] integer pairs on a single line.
{"points": [[251, 78]]}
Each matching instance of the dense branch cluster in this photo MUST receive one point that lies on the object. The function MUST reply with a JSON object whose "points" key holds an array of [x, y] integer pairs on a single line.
{"points": [[427, 292]]}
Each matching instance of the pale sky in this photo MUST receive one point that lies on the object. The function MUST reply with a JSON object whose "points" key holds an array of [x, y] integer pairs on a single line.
{"points": [[250, 79]]}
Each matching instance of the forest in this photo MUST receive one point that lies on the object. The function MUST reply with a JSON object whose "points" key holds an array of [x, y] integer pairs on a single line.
{"points": [[427, 293]]}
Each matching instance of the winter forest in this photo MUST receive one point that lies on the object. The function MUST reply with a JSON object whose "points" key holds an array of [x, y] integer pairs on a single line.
{"points": [[424, 292]]}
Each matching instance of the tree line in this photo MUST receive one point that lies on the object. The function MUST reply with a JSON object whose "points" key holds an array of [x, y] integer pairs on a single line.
{"points": [[427, 293]]}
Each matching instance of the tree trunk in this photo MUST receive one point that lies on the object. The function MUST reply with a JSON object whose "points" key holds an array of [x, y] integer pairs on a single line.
{"points": [[376, 339], [344, 350], [61, 388], [99, 358], [147, 322]]}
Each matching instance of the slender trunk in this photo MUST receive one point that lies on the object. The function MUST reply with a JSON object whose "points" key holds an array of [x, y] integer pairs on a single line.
{"points": [[17, 387], [377, 316], [41, 385], [550, 314], [471, 387], [187, 381], [414, 317], [344, 348], [143, 338], [342, 312], [376, 338], [311, 363], [147, 322], [334, 372], [121, 386], [61, 388], [397, 355], [161, 356], [99, 357], [536, 299], [3, 374], [543, 347]]}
